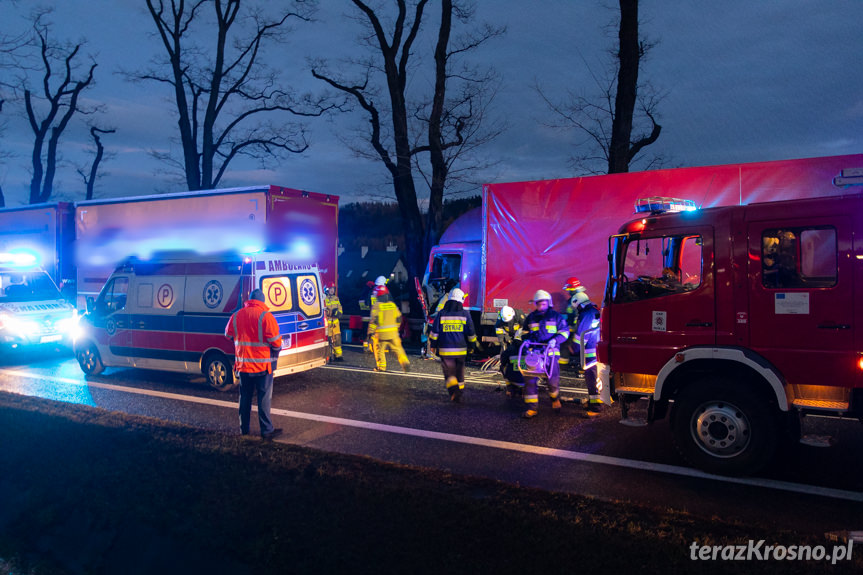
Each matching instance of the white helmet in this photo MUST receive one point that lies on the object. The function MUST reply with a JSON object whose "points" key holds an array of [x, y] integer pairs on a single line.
{"points": [[541, 295], [456, 295], [380, 280], [579, 298], [507, 313]]}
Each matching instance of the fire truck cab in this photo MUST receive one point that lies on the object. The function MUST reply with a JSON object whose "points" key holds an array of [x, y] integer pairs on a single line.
{"points": [[738, 321]]}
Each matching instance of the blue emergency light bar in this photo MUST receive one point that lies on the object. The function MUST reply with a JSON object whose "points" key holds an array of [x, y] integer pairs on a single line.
{"points": [[18, 259], [661, 205]]}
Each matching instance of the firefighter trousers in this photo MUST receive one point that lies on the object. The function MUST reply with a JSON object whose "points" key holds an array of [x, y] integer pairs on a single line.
{"points": [[381, 346], [336, 338], [531, 387], [453, 371]]}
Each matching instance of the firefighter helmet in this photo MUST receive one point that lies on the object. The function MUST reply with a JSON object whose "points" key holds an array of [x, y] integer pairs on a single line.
{"points": [[380, 280], [330, 289], [381, 290], [572, 284], [506, 314], [457, 295], [541, 295], [580, 297]]}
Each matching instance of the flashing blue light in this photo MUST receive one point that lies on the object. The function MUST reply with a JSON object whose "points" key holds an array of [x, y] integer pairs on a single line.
{"points": [[660, 205], [19, 258]]}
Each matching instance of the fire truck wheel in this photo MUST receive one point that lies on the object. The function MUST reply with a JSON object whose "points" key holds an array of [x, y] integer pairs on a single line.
{"points": [[219, 373], [89, 359], [723, 427]]}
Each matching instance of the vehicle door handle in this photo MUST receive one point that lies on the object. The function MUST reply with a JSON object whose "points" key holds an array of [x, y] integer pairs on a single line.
{"points": [[699, 324], [303, 326], [834, 326]]}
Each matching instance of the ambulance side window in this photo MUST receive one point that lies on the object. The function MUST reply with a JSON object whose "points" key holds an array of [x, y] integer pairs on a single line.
{"points": [[113, 296], [145, 295]]}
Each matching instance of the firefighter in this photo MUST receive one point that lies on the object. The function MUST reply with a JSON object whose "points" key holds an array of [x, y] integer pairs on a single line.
{"points": [[451, 334], [508, 329], [426, 352], [572, 287], [256, 341], [544, 325], [333, 309], [370, 344], [587, 328], [384, 329]]}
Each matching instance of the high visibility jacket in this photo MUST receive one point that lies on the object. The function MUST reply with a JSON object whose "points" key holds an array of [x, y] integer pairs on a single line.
{"points": [[334, 309], [451, 332], [547, 326], [254, 331], [509, 331], [385, 321]]}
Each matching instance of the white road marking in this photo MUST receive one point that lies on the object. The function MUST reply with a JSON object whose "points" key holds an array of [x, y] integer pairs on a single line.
{"points": [[469, 440]]}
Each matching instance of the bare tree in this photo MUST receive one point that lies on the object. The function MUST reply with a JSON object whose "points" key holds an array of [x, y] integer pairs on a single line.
{"points": [[60, 105], [90, 176], [230, 105], [446, 124], [625, 105]]}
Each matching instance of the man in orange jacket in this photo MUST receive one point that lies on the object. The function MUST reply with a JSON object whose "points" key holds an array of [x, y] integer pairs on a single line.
{"points": [[255, 333]]}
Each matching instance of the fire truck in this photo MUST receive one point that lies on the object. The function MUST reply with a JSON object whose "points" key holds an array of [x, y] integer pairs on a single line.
{"points": [[737, 321]]}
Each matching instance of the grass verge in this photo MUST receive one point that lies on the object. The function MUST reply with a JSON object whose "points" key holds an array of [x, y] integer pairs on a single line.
{"points": [[85, 490]]}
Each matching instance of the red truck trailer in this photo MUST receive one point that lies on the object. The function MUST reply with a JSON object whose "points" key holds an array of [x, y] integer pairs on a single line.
{"points": [[302, 225], [739, 319], [535, 235]]}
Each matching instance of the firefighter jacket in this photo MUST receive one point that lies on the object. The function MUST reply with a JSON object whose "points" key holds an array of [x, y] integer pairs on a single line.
{"points": [[587, 322], [452, 331], [547, 326], [509, 331], [255, 332], [333, 309], [385, 321]]}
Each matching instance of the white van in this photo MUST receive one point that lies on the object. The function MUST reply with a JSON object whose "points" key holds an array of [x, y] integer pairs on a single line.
{"points": [[169, 313], [32, 310]]}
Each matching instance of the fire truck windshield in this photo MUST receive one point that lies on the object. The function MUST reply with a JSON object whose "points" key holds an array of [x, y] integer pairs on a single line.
{"points": [[27, 285]]}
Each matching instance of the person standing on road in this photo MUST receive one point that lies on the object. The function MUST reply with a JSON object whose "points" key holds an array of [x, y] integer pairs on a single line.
{"points": [[587, 329], [547, 326], [256, 340], [333, 308], [450, 335], [384, 330]]}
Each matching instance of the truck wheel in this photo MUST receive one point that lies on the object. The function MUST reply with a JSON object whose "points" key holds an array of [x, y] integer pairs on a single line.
{"points": [[722, 427], [219, 373], [89, 359]]}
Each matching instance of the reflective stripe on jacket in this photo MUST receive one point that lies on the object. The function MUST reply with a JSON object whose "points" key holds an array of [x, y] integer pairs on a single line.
{"points": [[254, 331], [385, 321], [546, 326], [451, 332]]}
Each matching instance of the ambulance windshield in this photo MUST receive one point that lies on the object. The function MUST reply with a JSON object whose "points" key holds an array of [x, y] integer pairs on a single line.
{"points": [[27, 285]]}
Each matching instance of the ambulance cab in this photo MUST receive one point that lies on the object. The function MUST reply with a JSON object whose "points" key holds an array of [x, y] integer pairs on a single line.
{"points": [[169, 313]]}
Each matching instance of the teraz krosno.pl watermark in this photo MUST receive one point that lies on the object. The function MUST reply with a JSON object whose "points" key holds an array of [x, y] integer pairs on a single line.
{"points": [[760, 551]]}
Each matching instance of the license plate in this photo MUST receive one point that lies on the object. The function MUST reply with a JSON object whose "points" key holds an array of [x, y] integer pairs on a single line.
{"points": [[50, 338]]}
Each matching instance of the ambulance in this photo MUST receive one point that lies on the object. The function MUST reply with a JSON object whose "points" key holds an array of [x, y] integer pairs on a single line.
{"points": [[169, 313], [32, 310]]}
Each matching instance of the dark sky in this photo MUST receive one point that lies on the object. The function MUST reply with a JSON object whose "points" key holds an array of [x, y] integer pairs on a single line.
{"points": [[742, 81]]}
